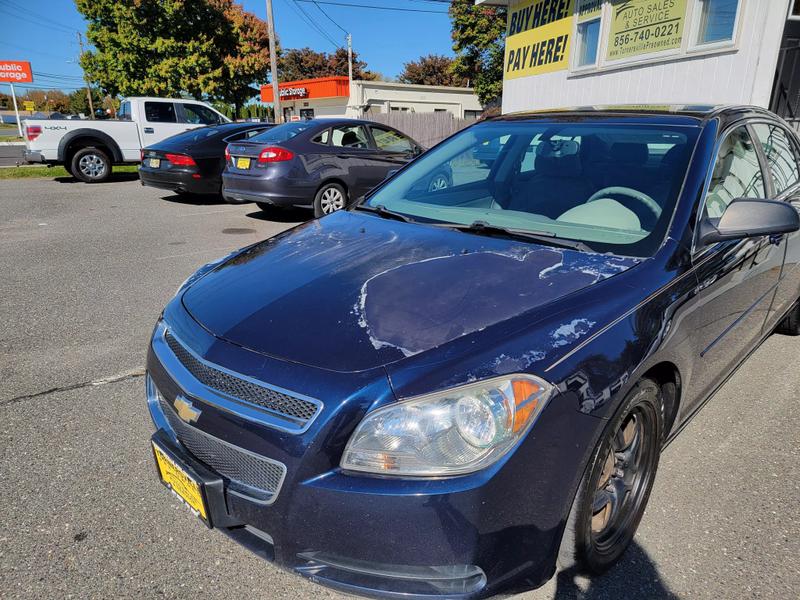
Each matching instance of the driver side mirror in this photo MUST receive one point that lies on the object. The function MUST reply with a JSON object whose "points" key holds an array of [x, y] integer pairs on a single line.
{"points": [[748, 217]]}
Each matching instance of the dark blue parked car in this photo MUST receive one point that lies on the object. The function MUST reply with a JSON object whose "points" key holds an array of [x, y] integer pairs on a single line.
{"points": [[451, 392]]}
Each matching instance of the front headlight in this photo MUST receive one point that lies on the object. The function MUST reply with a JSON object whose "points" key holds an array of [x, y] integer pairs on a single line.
{"points": [[451, 432]]}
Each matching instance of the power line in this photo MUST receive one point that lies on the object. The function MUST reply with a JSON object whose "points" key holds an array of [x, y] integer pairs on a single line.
{"points": [[30, 50], [58, 28], [330, 19], [353, 5], [304, 16]]}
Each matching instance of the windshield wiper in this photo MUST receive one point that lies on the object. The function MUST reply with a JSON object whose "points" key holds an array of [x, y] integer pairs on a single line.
{"points": [[384, 212], [543, 237]]}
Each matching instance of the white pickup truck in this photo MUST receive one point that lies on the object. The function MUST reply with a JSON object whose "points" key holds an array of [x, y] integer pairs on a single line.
{"points": [[88, 149]]}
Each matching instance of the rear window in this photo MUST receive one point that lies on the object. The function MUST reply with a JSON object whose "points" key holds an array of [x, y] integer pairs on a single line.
{"points": [[160, 112], [281, 133]]}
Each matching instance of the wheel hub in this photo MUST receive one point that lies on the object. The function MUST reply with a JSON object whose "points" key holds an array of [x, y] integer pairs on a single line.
{"points": [[92, 165]]}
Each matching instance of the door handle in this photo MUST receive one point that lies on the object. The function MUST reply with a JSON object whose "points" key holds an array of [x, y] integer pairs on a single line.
{"points": [[148, 130], [342, 156]]}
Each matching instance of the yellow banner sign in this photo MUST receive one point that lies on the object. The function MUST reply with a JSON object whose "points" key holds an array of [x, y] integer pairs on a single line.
{"points": [[588, 9], [29, 105], [538, 38], [645, 26]]}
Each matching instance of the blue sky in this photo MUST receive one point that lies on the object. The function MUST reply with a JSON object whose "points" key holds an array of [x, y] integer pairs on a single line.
{"points": [[43, 33]]}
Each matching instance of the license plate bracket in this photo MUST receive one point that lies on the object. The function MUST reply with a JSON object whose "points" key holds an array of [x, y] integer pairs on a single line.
{"points": [[183, 482]]}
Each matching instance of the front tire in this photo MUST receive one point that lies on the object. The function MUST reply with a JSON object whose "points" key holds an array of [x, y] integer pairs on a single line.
{"points": [[790, 325], [330, 198], [616, 486], [91, 165]]}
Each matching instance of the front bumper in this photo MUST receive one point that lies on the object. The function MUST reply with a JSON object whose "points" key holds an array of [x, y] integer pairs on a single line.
{"points": [[460, 537]]}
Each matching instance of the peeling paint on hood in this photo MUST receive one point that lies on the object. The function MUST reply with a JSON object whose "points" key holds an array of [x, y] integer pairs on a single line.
{"points": [[352, 291]]}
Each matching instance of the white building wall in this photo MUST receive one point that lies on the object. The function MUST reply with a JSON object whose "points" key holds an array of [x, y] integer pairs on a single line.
{"points": [[381, 96], [742, 75]]}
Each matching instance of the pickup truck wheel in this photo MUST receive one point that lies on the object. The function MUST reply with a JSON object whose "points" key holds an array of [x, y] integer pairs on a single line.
{"points": [[91, 165]]}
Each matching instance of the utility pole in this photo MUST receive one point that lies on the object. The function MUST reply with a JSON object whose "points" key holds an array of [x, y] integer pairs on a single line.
{"points": [[350, 58], [88, 87], [273, 63]]}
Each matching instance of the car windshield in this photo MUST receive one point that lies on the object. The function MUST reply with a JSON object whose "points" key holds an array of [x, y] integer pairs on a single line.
{"points": [[611, 186], [281, 133]]}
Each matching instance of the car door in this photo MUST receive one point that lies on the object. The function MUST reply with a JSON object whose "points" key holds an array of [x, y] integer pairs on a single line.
{"points": [[392, 151], [780, 149], [159, 121], [351, 149], [736, 280]]}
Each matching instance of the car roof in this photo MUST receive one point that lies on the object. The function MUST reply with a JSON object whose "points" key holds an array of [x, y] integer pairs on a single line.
{"points": [[673, 113]]}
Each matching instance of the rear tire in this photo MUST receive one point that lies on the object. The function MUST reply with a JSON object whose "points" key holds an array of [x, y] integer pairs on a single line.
{"points": [[91, 165], [790, 325], [330, 198], [616, 486]]}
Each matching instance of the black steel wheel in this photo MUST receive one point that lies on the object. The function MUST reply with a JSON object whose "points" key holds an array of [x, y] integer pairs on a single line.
{"points": [[614, 491]]}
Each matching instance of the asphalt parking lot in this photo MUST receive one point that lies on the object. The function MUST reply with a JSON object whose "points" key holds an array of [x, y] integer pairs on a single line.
{"points": [[86, 270]]}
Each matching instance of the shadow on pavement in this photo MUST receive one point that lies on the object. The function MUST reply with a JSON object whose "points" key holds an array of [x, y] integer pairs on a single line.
{"points": [[635, 576], [283, 215], [195, 199], [115, 178]]}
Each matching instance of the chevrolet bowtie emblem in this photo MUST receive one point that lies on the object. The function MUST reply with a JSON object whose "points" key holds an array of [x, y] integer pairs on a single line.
{"points": [[185, 410]]}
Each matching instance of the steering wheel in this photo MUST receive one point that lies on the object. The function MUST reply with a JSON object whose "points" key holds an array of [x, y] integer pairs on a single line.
{"points": [[651, 204]]}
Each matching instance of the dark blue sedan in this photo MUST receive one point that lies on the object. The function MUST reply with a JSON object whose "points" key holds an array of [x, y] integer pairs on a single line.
{"points": [[452, 392]]}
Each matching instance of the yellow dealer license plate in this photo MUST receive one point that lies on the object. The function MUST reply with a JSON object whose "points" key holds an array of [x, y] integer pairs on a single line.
{"points": [[180, 482], [242, 163], [155, 163]]}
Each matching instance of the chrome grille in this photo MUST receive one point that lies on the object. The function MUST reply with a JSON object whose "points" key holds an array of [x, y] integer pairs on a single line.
{"points": [[297, 409], [259, 476]]}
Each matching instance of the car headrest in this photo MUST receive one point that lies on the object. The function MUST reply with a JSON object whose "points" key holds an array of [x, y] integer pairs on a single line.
{"points": [[674, 155], [551, 166], [558, 158], [629, 153], [350, 139]]}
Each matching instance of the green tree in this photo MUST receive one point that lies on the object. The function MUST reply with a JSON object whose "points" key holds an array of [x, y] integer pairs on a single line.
{"points": [[305, 63], [478, 34], [78, 103], [246, 61], [204, 48], [433, 69]]}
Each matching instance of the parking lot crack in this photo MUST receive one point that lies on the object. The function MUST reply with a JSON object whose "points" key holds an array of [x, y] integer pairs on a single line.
{"points": [[118, 378]]}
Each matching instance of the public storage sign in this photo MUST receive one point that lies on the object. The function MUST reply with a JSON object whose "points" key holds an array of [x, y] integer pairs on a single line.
{"points": [[15, 71]]}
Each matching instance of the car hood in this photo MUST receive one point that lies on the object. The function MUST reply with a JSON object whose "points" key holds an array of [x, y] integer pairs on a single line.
{"points": [[353, 291]]}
